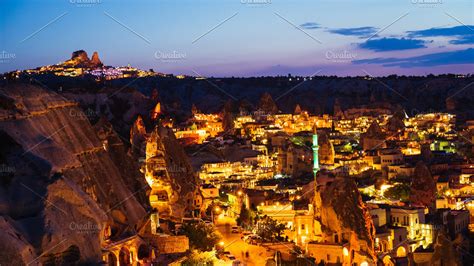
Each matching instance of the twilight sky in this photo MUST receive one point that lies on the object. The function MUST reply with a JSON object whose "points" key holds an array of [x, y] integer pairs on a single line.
{"points": [[244, 37]]}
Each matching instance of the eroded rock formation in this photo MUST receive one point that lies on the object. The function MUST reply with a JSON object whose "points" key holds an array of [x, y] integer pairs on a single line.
{"points": [[395, 123], [81, 59], [373, 138], [343, 217], [297, 110], [326, 151], [267, 104], [228, 117], [95, 61], [138, 138], [64, 187], [170, 174], [423, 187]]}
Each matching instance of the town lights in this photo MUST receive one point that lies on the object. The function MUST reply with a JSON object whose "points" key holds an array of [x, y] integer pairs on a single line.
{"points": [[345, 251]]}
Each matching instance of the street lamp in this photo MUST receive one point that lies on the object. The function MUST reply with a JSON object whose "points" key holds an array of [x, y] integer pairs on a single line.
{"points": [[216, 209]]}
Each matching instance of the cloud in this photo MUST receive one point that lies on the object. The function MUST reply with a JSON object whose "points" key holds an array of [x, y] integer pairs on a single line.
{"points": [[392, 44], [428, 60], [453, 31], [360, 31], [469, 39], [310, 26], [464, 34]]}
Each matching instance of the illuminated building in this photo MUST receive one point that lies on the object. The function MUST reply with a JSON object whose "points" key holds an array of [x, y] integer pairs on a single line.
{"points": [[219, 172], [298, 221], [334, 253], [413, 219], [195, 135], [400, 170], [203, 126]]}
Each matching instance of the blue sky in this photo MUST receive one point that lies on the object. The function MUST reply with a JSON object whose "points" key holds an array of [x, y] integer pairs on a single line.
{"points": [[244, 37]]}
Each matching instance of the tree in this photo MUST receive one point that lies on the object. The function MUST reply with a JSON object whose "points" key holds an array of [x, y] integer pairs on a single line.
{"points": [[201, 258], [269, 229], [398, 192], [201, 236], [246, 217]]}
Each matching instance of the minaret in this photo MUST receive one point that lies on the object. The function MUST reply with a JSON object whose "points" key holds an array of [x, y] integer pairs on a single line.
{"points": [[315, 154]]}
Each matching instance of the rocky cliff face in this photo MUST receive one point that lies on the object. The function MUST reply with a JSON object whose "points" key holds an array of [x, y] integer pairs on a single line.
{"points": [[65, 185], [118, 152], [120, 106], [170, 171], [341, 212]]}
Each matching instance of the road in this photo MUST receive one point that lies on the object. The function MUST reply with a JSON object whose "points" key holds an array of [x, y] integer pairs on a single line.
{"points": [[237, 247]]}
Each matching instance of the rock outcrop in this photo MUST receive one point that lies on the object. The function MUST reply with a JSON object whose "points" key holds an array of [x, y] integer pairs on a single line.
{"points": [[118, 152], [337, 109], [423, 186], [81, 59], [228, 117], [395, 123], [120, 106], [14, 247], [80, 56], [267, 104], [343, 217], [138, 138], [170, 174], [373, 138], [95, 61], [326, 151], [297, 110], [65, 186]]}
